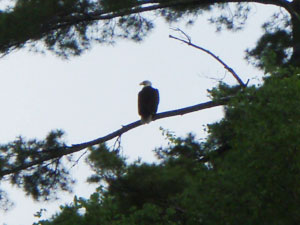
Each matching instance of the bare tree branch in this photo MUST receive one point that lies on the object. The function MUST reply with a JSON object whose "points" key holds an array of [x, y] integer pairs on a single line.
{"points": [[78, 147], [188, 41]]}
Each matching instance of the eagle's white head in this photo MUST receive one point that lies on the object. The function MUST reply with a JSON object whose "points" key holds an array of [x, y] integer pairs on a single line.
{"points": [[146, 83]]}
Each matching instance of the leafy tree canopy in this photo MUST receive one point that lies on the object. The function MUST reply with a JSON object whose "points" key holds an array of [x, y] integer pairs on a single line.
{"points": [[69, 27], [245, 172]]}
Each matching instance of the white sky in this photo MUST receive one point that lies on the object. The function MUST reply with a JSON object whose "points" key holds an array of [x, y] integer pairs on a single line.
{"points": [[95, 94]]}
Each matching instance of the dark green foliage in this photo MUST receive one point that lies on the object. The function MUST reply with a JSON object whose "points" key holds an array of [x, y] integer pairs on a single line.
{"points": [[246, 172], [134, 27], [70, 27], [109, 5], [224, 90], [108, 165], [277, 47], [24, 163], [26, 21], [69, 216], [231, 19], [155, 185], [272, 50], [37, 20], [177, 12], [186, 151], [262, 161]]}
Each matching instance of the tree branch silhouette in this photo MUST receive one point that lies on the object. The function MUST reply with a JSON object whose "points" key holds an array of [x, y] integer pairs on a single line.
{"points": [[78, 16], [50, 154], [188, 41]]}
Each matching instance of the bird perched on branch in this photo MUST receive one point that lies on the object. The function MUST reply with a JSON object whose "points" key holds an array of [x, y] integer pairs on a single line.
{"points": [[148, 100]]}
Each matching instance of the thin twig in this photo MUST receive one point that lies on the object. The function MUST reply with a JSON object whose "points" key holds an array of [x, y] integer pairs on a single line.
{"points": [[77, 160], [189, 42], [117, 144]]}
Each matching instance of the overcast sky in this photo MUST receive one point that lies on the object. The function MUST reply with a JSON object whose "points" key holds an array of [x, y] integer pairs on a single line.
{"points": [[96, 93]]}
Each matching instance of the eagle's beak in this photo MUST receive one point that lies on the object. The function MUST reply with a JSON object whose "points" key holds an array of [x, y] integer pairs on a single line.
{"points": [[142, 83]]}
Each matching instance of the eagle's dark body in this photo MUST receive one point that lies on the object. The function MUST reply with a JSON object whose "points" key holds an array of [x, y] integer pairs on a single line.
{"points": [[148, 100]]}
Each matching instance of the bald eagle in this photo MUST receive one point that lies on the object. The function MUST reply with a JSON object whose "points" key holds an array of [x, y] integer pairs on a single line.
{"points": [[148, 100]]}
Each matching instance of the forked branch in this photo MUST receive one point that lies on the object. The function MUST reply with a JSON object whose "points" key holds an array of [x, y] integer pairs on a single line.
{"points": [[188, 41]]}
